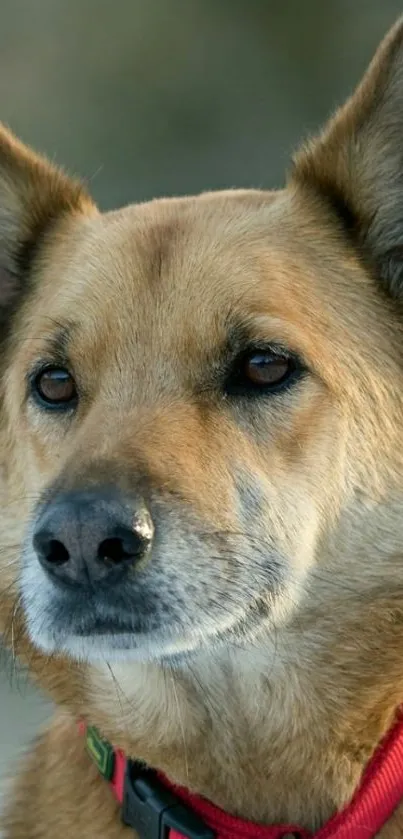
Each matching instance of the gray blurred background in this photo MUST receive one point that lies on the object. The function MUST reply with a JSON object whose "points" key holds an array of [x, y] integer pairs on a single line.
{"points": [[151, 97]]}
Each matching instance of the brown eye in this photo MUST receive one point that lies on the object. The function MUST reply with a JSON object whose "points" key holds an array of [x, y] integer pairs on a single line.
{"points": [[54, 387], [264, 369]]}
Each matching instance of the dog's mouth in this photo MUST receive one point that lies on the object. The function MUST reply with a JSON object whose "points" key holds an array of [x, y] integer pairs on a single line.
{"points": [[102, 634], [86, 623]]}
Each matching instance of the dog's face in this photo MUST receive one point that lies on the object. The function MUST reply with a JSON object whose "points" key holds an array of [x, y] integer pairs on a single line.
{"points": [[195, 391], [168, 383]]}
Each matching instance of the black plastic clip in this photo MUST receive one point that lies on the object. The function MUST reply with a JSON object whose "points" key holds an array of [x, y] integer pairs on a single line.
{"points": [[152, 810]]}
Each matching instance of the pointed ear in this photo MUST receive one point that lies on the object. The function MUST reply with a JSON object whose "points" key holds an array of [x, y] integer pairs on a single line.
{"points": [[34, 197], [356, 164]]}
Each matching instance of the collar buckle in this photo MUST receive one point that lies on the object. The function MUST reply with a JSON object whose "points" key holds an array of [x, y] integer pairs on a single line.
{"points": [[152, 811]]}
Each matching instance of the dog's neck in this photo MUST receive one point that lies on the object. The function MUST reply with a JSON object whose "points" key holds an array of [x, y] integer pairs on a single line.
{"points": [[274, 736]]}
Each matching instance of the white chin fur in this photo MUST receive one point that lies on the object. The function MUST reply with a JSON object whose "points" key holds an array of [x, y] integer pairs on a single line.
{"points": [[94, 649]]}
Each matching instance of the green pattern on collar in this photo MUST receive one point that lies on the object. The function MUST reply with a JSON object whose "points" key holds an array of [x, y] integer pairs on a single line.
{"points": [[101, 752]]}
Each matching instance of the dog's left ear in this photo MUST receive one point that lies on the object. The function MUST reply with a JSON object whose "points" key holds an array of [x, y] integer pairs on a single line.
{"points": [[356, 164]]}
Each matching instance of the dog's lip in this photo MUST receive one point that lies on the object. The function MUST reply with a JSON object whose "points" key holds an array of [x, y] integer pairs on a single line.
{"points": [[97, 625], [89, 616], [106, 627]]}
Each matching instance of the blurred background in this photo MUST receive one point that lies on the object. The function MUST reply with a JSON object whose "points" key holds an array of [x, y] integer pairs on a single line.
{"points": [[151, 97]]}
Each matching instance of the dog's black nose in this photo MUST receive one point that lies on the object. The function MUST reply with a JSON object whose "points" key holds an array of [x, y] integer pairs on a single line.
{"points": [[83, 537]]}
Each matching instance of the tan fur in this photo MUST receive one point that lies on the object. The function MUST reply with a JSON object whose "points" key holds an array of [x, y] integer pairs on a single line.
{"points": [[278, 725]]}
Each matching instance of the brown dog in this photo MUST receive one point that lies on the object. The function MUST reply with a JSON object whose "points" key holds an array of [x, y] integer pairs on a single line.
{"points": [[202, 476]]}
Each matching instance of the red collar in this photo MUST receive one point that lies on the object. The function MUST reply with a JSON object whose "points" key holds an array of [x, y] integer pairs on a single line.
{"points": [[157, 809]]}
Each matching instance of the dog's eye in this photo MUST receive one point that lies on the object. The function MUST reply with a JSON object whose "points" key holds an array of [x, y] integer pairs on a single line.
{"points": [[261, 371], [54, 387], [265, 370]]}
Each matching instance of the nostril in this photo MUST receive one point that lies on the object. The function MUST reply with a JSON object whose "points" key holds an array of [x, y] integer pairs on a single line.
{"points": [[52, 551], [58, 553], [113, 550], [120, 548]]}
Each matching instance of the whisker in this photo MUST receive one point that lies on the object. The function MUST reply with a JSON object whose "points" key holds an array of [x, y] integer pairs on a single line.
{"points": [[182, 727]]}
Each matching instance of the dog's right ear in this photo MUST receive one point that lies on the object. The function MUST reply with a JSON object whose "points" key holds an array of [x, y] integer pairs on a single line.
{"points": [[34, 197], [356, 165]]}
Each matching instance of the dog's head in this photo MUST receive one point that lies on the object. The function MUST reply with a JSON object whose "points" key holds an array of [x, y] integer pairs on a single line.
{"points": [[200, 395]]}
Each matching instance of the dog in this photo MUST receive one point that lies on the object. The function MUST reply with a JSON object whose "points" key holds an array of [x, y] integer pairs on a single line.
{"points": [[201, 519]]}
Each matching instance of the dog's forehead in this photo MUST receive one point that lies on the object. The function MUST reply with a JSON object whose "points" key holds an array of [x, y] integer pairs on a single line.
{"points": [[174, 267], [175, 248]]}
